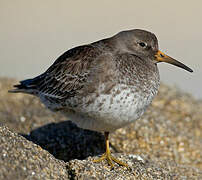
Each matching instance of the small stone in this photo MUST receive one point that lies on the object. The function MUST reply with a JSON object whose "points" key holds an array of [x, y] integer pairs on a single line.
{"points": [[22, 119], [139, 158]]}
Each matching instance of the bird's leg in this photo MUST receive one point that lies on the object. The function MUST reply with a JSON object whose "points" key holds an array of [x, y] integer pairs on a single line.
{"points": [[107, 155]]}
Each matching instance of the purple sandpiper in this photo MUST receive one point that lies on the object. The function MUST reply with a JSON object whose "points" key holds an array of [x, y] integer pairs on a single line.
{"points": [[104, 85]]}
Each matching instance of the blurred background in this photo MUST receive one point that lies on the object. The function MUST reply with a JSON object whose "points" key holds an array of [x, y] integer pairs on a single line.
{"points": [[34, 33]]}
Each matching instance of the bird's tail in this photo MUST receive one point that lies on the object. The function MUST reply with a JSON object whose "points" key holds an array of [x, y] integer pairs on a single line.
{"points": [[28, 86], [24, 86]]}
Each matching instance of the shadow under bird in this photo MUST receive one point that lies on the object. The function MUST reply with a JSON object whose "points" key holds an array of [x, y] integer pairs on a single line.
{"points": [[104, 85]]}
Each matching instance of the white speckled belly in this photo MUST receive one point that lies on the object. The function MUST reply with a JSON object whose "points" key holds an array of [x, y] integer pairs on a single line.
{"points": [[109, 112]]}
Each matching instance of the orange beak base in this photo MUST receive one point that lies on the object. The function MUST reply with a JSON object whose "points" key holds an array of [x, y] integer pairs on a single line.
{"points": [[161, 57]]}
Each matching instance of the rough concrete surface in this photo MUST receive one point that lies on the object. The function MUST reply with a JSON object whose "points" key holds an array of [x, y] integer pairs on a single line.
{"points": [[166, 143]]}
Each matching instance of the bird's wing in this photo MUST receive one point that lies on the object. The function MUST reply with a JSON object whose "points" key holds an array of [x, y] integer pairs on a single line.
{"points": [[68, 73]]}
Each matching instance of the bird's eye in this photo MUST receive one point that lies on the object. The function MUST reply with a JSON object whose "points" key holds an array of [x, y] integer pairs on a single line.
{"points": [[142, 44]]}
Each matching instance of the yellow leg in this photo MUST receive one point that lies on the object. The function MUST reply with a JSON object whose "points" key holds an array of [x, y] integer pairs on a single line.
{"points": [[107, 155]]}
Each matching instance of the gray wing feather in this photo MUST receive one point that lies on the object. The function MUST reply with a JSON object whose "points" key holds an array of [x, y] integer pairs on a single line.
{"points": [[64, 77]]}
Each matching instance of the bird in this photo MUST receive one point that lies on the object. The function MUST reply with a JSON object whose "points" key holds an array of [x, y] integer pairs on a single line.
{"points": [[104, 85]]}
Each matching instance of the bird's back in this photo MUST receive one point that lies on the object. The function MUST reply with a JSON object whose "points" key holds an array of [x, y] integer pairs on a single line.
{"points": [[64, 78]]}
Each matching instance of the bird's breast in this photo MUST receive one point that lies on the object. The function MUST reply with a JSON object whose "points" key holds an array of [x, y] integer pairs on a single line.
{"points": [[115, 109]]}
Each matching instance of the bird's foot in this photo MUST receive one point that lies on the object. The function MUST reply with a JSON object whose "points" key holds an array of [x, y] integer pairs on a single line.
{"points": [[110, 159]]}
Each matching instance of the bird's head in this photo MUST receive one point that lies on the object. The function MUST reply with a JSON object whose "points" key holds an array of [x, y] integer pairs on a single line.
{"points": [[145, 45]]}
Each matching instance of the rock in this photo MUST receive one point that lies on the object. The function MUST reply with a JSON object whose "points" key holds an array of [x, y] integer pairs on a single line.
{"points": [[22, 159], [141, 168], [167, 139], [66, 141]]}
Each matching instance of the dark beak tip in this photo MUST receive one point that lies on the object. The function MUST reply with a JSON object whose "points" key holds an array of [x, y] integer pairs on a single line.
{"points": [[190, 70]]}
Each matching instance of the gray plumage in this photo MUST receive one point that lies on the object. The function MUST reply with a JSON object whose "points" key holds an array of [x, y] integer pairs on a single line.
{"points": [[104, 85]]}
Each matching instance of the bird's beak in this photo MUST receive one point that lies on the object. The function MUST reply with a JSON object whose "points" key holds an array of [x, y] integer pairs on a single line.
{"points": [[161, 57]]}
